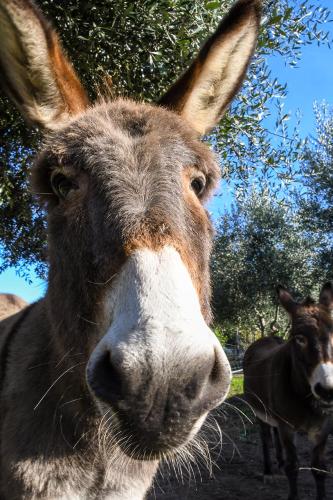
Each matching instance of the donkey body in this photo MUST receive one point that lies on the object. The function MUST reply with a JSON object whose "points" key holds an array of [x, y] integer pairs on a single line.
{"points": [[116, 367], [290, 386], [10, 304]]}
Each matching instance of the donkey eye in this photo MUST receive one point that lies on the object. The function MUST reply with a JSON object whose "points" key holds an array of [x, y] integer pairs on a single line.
{"points": [[198, 185], [62, 185], [301, 340]]}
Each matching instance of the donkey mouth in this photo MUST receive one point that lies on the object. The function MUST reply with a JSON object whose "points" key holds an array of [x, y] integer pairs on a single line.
{"points": [[151, 445], [147, 437], [156, 403], [325, 407], [147, 428]]}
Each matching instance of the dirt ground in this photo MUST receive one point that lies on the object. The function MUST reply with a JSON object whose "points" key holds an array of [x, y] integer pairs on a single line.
{"points": [[237, 471]]}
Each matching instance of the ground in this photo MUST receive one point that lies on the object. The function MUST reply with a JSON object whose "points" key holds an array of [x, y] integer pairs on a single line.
{"points": [[237, 473]]}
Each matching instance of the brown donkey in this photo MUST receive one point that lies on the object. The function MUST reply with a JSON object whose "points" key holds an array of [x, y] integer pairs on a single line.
{"points": [[116, 367], [10, 304], [290, 385]]}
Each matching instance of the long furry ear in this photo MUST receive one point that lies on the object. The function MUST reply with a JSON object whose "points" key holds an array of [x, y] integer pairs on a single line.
{"points": [[326, 295], [35, 73], [286, 300], [205, 90]]}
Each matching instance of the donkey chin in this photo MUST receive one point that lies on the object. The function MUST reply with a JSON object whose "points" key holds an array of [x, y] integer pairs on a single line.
{"points": [[159, 369]]}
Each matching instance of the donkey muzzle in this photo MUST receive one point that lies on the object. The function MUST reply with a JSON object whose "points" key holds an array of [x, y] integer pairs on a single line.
{"points": [[159, 366], [158, 405]]}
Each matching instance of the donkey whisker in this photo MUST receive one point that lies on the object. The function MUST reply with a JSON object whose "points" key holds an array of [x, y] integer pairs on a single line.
{"points": [[104, 283], [70, 401], [62, 432], [80, 439], [322, 471], [88, 321], [243, 400], [64, 357], [37, 366], [240, 415], [234, 446], [55, 382], [217, 430]]}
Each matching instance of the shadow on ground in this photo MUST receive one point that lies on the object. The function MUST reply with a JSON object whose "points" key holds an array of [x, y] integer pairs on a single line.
{"points": [[236, 474]]}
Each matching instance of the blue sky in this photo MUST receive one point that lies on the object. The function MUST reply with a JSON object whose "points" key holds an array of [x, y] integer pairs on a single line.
{"points": [[311, 81]]}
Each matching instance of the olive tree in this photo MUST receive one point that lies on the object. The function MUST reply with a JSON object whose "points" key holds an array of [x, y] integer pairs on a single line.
{"points": [[142, 47], [261, 243]]}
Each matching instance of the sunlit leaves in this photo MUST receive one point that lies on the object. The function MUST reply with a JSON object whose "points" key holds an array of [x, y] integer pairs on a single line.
{"points": [[145, 45], [261, 242], [316, 196]]}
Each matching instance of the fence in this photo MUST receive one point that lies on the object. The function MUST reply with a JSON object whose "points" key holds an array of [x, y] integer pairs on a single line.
{"points": [[235, 355]]}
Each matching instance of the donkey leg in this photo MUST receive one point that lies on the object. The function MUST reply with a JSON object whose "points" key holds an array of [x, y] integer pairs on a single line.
{"points": [[319, 466], [266, 439], [278, 448], [287, 437]]}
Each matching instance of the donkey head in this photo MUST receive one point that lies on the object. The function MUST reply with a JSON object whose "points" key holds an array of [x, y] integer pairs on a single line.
{"points": [[129, 240], [312, 341]]}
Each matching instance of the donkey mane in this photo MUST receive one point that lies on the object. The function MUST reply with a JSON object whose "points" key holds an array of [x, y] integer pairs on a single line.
{"points": [[308, 301]]}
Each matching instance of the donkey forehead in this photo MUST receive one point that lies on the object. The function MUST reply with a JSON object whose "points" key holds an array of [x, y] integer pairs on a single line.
{"points": [[124, 133], [136, 156], [314, 320]]}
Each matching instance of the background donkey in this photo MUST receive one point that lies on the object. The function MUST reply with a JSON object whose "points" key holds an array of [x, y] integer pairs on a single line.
{"points": [[116, 367], [290, 384], [10, 304]]}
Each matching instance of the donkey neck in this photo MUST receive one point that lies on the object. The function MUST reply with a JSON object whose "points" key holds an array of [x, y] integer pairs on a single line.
{"points": [[299, 381], [72, 433]]}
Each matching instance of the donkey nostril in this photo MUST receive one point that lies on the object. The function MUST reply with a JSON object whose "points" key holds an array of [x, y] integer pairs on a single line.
{"points": [[215, 375], [323, 392], [105, 379], [192, 388]]}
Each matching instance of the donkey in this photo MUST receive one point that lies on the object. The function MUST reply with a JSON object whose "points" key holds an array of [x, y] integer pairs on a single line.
{"points": [[290, 385], [10, 304], [116, 367]]}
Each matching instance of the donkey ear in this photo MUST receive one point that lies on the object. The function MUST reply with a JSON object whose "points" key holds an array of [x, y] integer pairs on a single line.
{"points": [[35, 73], [205, 90], [326, 295], [286, 300]]}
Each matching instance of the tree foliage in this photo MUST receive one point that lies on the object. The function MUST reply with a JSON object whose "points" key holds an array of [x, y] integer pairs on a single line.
{"points": [[316, 197], [261, 243], [317, 204], [145, 45]]}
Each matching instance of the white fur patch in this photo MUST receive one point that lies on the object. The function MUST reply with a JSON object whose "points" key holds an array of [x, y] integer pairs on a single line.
{"points": [[156, 318], [323, 375], [157, 325]]}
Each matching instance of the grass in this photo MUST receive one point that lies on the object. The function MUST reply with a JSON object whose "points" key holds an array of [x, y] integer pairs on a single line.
{"points": [[236, 385]]}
